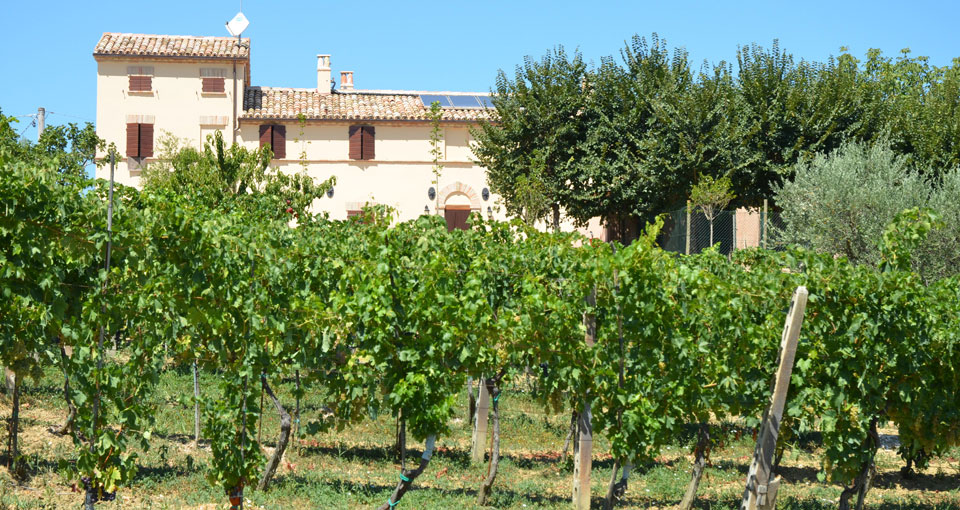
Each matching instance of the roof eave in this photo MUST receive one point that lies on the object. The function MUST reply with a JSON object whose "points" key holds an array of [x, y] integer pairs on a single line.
{"points": [[243, 118], [97, 55]]}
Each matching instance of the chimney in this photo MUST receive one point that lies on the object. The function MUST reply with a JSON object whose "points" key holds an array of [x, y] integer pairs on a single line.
{"points": [[346, 80], [323, 74]]}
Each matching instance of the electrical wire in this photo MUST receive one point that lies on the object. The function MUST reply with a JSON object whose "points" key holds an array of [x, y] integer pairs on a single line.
{"points": [[70, 116], [32, 123]]}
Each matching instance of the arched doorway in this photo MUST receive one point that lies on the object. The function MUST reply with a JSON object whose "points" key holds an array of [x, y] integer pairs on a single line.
{"points": [[457, 201]]}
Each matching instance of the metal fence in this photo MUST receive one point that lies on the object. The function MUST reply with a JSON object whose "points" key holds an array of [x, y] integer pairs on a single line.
{"points": [[689, 231]]}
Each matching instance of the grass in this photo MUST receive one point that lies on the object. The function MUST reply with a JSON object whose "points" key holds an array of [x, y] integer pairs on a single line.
{"points": [[355, 468]]}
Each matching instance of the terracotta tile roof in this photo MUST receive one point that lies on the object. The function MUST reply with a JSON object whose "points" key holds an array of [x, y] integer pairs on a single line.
{"points": [[286, 103], [171, 46]]}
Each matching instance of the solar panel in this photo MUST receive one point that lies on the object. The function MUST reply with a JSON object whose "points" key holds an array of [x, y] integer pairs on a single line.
{"points": [[485, 101], [465, 101], [429, 99]]}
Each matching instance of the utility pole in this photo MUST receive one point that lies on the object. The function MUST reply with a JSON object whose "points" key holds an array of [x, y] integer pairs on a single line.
{"points": [[41, 117]]}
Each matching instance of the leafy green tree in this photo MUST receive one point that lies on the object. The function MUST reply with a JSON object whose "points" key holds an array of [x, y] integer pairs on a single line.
{"points": [[68, 147], [840, 203], [219, 172], [620, 176], [536, 133], [711, 196]]}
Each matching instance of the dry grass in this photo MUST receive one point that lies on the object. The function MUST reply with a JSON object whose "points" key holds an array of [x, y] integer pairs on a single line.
{"points": [[356, 469]]}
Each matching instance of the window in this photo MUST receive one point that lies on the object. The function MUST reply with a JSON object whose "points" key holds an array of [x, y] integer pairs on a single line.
{"points": [[362, 140], [139, 140], [213, 80], [141, 78], [276, 137]]}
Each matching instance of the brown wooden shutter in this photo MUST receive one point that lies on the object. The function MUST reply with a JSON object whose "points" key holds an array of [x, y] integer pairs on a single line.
{"points": [[146, 140], [133, 140], [266, 135], [369, 139], [280, 142], [356, 143], [213, 85], [140, 83]]}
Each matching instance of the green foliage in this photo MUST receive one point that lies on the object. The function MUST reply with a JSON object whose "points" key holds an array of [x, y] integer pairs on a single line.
{"points": [[626, 138], [538, 120], [392, 319], [69, 148], [840, 203], [711, 195], [436, 140], [220, 175]]}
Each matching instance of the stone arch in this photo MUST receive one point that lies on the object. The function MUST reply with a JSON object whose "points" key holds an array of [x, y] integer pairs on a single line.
{"points": [[459, 188]]}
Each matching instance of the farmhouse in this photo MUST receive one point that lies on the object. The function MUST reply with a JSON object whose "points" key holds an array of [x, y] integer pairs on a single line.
{"points": [[376, 142]]}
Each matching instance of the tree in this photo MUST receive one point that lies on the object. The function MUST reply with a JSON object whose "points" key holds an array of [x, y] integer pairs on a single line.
{"points": [[219, 172], [630, 169], [839, 203], [711, 196], [536, 133]]}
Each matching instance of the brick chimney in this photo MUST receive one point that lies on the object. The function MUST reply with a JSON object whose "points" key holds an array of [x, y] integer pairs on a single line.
{"points": [[346, 80], [323, 74]]}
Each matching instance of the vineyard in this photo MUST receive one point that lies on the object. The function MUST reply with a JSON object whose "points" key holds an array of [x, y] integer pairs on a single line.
{"points": [[320, 326]]}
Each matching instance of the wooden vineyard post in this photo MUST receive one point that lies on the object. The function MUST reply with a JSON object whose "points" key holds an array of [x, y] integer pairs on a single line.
{"points": [[583, 444], [480, 425], [761, 491], [196, 405], [471, 401], [10, 379], [688, 228]]}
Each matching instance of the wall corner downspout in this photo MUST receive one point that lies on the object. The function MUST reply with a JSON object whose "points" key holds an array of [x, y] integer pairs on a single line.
{"points": [[234, 121]]}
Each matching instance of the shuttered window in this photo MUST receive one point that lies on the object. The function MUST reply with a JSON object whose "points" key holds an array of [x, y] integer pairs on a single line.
{"points": [[141, 83], [276, 138], [213, 80], [362, 142], [213, 85], [141, 78], [139, 140]]}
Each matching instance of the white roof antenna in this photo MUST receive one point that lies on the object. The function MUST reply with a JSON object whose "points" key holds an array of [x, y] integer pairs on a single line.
{"points": [[237, 25]]}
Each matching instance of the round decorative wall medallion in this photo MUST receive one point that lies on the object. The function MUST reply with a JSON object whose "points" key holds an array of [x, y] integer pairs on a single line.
{"points": [[330, 192], [485, 193], [432, 193]]}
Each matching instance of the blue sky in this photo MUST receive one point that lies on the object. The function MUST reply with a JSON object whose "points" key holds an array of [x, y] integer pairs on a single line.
{"points": [[46, 46]]}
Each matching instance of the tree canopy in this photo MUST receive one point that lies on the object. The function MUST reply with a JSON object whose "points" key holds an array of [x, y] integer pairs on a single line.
{"points": [[628, 138]]}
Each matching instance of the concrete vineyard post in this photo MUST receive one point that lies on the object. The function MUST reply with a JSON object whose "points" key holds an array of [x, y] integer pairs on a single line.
{"points": [[583, 445], [761, 491], [480, 425]]}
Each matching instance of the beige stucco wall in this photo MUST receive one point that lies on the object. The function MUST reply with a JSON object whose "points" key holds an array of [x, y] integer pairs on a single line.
{"points": [[400, 175], [176, 103], [748, 228]]}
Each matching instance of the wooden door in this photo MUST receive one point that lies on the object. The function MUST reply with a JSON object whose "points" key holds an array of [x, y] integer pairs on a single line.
{"points": [[456, 216]]}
